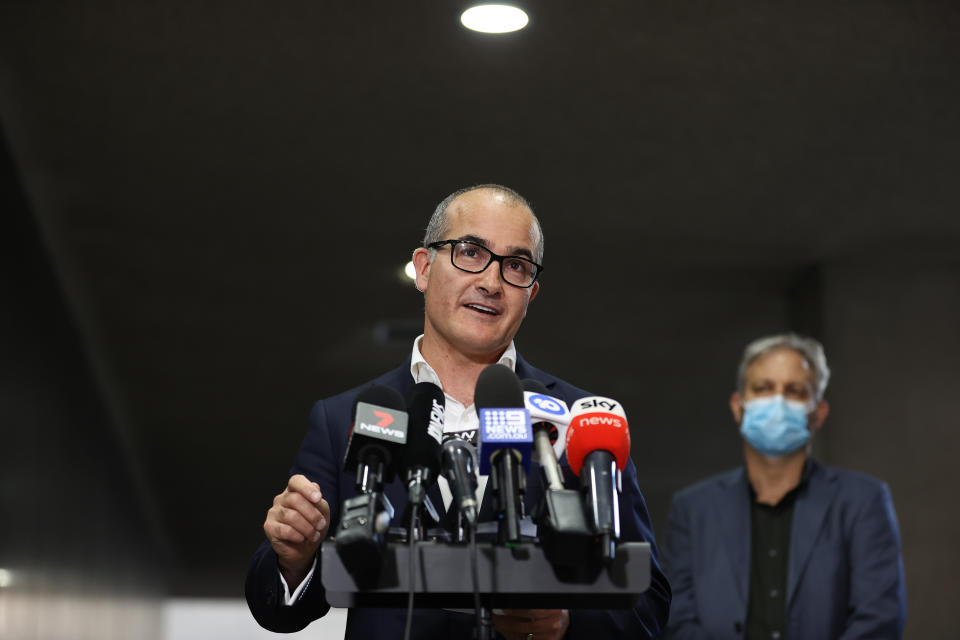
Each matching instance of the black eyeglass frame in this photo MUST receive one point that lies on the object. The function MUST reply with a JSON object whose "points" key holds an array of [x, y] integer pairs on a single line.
{"points": [[493, 257]]}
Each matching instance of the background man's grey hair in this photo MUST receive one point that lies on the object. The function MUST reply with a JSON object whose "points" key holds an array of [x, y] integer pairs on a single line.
{"points": [[810, 349], [437, 227]]}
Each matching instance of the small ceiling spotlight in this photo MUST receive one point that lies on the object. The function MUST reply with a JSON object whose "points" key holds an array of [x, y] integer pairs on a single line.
{"points": [[494, 18]]}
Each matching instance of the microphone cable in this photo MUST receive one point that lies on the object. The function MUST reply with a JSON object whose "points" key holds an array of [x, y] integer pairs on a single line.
{"points": [[412, 572], [480, 633]]}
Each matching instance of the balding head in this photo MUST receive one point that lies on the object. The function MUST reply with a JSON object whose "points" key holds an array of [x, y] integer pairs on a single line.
{"points": [[439, 222]]}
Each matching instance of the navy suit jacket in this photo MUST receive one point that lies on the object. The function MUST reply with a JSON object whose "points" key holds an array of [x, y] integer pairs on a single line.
{"points": [[844, 574], [321, 460]]}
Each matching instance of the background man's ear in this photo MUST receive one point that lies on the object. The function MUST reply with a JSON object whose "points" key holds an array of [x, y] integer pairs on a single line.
{"points": [[820, 414], [736, 406]]}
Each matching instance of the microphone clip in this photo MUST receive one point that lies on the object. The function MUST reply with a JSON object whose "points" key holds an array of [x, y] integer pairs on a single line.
{"points": [[361, 536]]}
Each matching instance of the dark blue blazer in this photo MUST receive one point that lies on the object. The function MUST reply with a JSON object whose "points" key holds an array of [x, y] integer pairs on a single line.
{"points": [[844, 574], [321, 460]]}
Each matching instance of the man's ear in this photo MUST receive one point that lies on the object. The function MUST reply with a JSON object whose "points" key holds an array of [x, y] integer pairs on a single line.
{"points": [[820, 414], [533, 291], [421, 266], [736, 406]]}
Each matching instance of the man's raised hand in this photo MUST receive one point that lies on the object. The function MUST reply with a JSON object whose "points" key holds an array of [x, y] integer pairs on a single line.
{"points": [[296, 524]]}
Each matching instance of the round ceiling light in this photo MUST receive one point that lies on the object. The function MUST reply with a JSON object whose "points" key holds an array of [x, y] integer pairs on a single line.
{"points": [[410, 271], [494, 18]]}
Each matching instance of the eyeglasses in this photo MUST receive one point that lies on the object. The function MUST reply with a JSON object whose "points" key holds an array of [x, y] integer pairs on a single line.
{"points": [[474, 258]]}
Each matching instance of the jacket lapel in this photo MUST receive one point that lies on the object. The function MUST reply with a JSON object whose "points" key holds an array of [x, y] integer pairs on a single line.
{"points": [[809, 514], [400, 378], [524, 371], [733, 512]]}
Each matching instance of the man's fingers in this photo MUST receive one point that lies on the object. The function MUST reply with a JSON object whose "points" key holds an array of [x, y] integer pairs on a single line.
{"points": [[298, 519], [295, 520], [281, 532], [309, 490], [312, 513], [292, 510], [324, 508]]}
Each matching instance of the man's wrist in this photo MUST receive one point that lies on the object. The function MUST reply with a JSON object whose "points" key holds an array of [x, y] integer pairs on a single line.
{"points": [[293, 576], [293, 591]]}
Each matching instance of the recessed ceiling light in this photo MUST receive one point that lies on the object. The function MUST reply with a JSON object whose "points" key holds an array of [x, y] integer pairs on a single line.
{"points": [[494, 18]]}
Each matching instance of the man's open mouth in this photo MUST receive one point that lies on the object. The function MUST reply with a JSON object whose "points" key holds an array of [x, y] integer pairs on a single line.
{"points": [[483, 309]]}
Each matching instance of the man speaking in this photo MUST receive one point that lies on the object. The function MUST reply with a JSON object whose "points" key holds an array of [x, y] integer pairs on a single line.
{"points": [[478, 270]]}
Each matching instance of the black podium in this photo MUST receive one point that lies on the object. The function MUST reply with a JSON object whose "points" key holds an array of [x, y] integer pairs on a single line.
{"points": [[519, 577]]}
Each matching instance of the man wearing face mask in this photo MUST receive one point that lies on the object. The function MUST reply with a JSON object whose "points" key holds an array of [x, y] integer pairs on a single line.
{"points": [[784, 547]]}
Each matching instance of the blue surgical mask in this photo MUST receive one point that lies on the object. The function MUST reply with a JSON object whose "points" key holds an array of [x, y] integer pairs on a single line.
{"points": [[775, 426]]}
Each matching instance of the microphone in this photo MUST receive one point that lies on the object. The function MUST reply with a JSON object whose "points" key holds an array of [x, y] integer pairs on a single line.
{"points": [[598, 449], [377, 436], [458, 461], [421, 457], [425, 405], [562, 527], [506, 440], [548, 415]]}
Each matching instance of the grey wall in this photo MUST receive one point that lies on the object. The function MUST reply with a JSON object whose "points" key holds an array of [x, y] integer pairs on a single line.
{"points": [[893, 329], [76, 542]]}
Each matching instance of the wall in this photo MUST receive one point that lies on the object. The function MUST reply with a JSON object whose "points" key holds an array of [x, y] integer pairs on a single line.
{"points": [[79, 557]]}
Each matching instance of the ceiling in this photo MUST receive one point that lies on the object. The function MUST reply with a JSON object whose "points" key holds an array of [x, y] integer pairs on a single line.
{"points": [[227, 190]]}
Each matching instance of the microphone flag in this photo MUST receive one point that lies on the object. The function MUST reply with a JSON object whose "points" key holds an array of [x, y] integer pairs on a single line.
{"points": [[504, 428], [381, 423]]}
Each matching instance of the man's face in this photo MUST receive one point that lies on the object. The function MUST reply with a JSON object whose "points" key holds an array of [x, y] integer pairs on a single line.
{"points": [[782, 372], [477, 314]]}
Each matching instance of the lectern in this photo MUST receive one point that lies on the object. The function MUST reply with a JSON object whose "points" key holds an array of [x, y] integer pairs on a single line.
{"points": [[516, 577]]}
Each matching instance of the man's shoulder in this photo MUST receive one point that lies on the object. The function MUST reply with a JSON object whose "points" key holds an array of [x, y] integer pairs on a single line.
{"points": [[557, 387], [850, 481], [399, 379]]}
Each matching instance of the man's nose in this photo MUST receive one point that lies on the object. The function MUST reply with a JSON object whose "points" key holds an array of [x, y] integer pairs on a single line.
{"points": [[490, 279]]}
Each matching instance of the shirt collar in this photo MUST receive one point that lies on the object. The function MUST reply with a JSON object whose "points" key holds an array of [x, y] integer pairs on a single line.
{"points": [[421, 370], [790, 496]]}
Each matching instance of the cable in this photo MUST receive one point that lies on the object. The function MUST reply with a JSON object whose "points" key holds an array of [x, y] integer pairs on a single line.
{"points": [[480, 633], [413, 574]]}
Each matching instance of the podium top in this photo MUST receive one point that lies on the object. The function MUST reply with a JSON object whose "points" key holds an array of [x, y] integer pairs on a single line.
{"points": [[509, 577]]}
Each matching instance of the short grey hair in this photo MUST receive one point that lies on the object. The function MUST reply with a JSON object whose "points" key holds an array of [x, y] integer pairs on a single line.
{"points": [[810, 349], [437, 227]]}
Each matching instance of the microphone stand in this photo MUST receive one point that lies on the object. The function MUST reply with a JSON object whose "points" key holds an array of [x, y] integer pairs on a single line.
{"points": [[484, 625], [361, 536], [508, 485]]}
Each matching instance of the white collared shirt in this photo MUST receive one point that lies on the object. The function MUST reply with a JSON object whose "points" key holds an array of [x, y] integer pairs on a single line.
{"points": [[456, 418]]}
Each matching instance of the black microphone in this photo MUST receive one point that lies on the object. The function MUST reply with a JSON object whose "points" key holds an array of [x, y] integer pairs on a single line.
{"points": [[377, 437], [458, 460], [421, 457], [421, 461], [506, 441]]}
